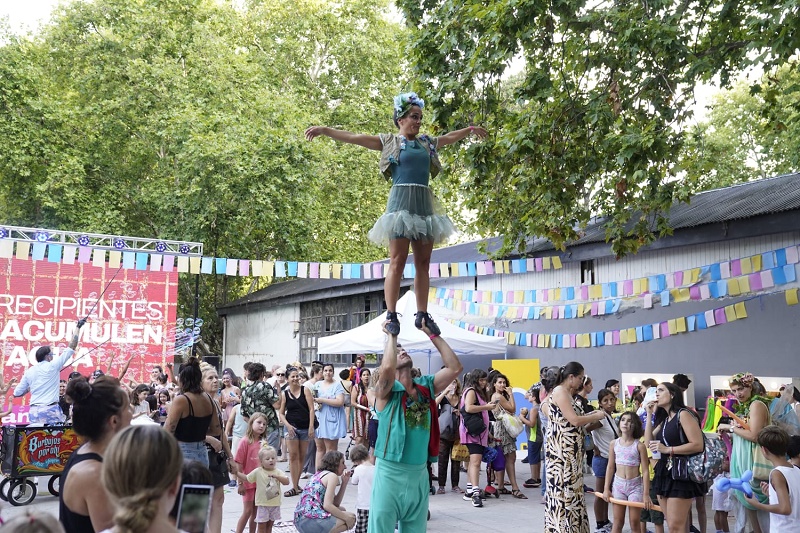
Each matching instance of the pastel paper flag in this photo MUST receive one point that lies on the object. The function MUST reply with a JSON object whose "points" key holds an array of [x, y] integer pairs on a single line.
{"points": [[725, 270], [39, 249], [736, 267], [6, 249], [220, 265], [98, 257], [54, 253], [230, 267], [128, 260], [244, 267], [194, 265], [280, 269], [377, 270], [665, 329], [710, 320], [69, 254], [792, 296], [169, 263], [792, 255], [155, 262], [768, 260], [740, 310], [790, 273], [291, 268], [183, 263], [719, 316], [730, 313], [114, 259], [302, 269], [780, 257], [313, 270], [556, 262], [207, 265], [141, 260], [258, 268], [325, 271], [766, 279]]}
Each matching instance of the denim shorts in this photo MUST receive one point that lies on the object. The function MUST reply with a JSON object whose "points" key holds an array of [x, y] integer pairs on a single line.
{"points": [[599, 466], [299, 434], [314, 525], [534, 452], [194, 451]]}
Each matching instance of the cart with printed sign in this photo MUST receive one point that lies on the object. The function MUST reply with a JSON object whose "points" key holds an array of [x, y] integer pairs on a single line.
{"points": [[31, 451]]}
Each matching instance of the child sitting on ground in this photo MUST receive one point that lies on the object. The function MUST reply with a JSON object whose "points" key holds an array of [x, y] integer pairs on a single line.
{"points": [[268, 491], [720, 500], [784, 483], [363, 474]]}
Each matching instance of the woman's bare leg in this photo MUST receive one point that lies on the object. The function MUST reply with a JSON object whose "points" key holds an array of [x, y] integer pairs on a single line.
{"points": [[422, 263], [398, 253]]}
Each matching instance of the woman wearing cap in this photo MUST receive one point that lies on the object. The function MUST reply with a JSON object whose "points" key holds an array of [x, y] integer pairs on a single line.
{"points": [[413, 215]]}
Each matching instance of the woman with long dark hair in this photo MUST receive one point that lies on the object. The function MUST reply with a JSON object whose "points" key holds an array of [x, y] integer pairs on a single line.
{"points": [[565, 507], [297, 415], [413, 215], [673, 432], [501, 392], [360, 403], [99, 411], [191, 416], [475, 401]]}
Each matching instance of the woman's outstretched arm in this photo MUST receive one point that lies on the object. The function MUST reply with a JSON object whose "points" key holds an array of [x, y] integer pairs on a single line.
{"points": [[458, 135], [373, 142]]}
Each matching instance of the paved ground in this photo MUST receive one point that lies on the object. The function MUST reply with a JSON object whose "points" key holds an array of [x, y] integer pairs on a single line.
{"points": [[449, 512]]}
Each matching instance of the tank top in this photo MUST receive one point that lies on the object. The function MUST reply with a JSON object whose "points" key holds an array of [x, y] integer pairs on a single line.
{"points": [[671, 433], [627, 455], [786, 523], [414, 165], [193, 428], [297, 410], [75, 522]]}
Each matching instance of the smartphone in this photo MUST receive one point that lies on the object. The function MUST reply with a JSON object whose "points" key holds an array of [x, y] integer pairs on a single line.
{"points": [[194, 507]]}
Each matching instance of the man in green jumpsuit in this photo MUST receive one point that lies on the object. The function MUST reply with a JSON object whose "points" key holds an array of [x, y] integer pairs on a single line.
{"points": [[408, 436]]}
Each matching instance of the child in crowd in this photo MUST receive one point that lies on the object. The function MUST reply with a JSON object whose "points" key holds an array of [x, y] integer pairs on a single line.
{"points": [[652, 515], [784, 483], [627, 462], [139, 401], [268, 491], [362, 475], [793, 451], [720, 501], [246, 458]]}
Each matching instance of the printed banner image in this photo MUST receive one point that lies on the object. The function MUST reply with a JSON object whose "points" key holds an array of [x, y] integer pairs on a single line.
{"points": [[40, 303]]}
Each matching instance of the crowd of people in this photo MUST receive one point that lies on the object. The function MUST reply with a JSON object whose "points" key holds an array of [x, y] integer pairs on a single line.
{"points": [[236, 431]]}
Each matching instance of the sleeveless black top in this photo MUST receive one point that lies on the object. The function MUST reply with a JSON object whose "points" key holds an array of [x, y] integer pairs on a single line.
{"points": [[193, 428], [298, 411], [74, 522]]}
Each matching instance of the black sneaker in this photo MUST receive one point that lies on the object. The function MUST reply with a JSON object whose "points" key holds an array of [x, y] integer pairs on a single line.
{"points": [[476, 501], [431, 325], [393, 327]]}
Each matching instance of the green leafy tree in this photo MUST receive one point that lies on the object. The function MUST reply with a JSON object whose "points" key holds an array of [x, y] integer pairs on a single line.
{"points": [[596, 122], [185, 121]]}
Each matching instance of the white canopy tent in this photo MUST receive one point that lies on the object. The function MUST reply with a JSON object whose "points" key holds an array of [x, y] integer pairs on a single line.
{"points": [[370, 338]]}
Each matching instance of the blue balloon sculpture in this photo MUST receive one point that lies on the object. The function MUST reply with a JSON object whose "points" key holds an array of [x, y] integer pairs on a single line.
{"points": [[724, 484]]}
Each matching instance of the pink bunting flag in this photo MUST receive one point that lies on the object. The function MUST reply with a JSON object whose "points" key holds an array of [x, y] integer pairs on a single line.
{"points": [[545, 295], [585, 291], [84, 254], [664, 327], [679, 278], [694, 292], [313, 270], [766, 279], [538, 263], [736, 267], [377, 270], [573, 340], [594, 308], [615, 337], [627, 287], [244, 267], [169, 263], [755, 281], [719, 316], [555, 312], [489, 267], [792, 255]]}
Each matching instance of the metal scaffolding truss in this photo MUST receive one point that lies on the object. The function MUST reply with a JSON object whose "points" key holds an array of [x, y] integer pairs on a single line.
{"points": [[119, 243]]}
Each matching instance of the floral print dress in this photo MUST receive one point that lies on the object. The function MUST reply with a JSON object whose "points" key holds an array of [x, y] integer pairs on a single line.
{"points": [[565, 507]]}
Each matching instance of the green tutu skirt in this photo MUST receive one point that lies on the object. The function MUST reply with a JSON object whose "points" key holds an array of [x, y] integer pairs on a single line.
{"points": [[414, 213]]}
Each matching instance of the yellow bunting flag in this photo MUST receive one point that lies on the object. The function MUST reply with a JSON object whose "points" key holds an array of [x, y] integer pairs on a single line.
{"points": [[595, 292], [556, 262], [756, 259], [498, 267], [637, 286], [583, 340], [740, 309], [24, 249], [733, 287], [512, 337], [519, 297], [623, 336], [557, 295], [540, 340], [747, 265], [680, 323], [114, 258], [744, 284], [545, 263], [444, 271], [269, 269], [673, 326], [194, 265], [730, 313], [548, 312], [507, 267], [337, 271], [454, 270], [791, 297]]}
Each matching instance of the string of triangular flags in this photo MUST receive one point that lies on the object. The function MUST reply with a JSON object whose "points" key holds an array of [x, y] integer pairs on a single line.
{"points": [[775, 268], [158, 262], [648, 332]]}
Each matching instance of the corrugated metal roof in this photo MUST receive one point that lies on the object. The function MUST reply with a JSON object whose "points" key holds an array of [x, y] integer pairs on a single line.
{"points": [[755, 198]]}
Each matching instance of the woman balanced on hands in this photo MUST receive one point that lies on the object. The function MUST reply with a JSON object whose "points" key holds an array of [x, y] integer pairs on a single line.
{"points": [[413, 215]]}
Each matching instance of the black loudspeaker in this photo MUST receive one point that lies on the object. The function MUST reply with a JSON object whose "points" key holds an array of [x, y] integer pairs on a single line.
{"points": [[212, 360]]}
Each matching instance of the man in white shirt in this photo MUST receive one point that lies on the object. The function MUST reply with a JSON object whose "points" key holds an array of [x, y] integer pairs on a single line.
{"points": [[42, 381]]}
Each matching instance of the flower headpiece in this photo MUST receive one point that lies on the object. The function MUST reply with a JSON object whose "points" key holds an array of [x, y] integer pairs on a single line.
{"points": [[745, 379], [403, 101]]}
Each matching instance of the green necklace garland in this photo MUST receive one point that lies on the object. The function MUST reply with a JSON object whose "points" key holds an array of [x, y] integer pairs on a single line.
{"points": [[743, 409]]}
